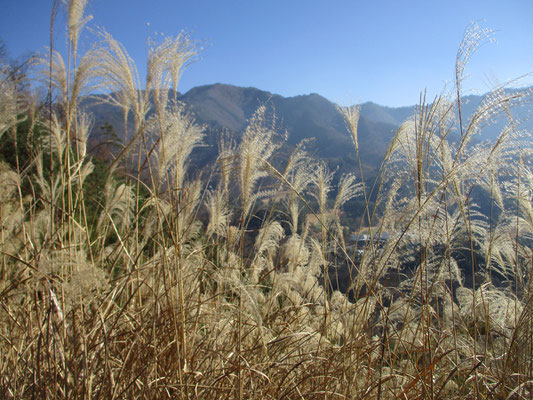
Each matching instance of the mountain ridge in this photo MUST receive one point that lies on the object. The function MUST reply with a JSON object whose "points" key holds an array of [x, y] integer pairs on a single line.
{"points": [[223, 107]]}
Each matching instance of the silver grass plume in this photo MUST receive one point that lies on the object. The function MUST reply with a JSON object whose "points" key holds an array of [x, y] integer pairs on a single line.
{"points": [[11, 212], [321, 182], [255, 150], [402, 142], [317, 260], [495, 103], [499, 309], [83, 129], [300, 287], [119, 75], [76, 21], [347, 189], [186, 207], [296, 177], [81, 282], [226, 160], [219, 213], [351, 118], [499, 248], [118, 208], [474, 36], [9, 103], [295, 251], [56, 140], [80, 170], [297, 159], [268, 239], [177, 136], [166, 62], [298, 182], [73, 85], [472, 39], [159, 209], [56, 75], [49, 186], [266, 244]]}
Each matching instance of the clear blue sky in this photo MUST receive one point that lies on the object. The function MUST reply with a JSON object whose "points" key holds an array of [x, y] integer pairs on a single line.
{"points": [[385, 51]]}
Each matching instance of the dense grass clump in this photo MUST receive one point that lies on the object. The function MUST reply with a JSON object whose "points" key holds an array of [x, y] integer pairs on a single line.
{"points": [[144, 280]]}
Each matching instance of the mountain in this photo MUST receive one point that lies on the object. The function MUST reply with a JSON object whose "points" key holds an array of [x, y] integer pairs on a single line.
{"points": [[301, 117], [222, 107], [225, 105], [520, 112], [394, 116]]}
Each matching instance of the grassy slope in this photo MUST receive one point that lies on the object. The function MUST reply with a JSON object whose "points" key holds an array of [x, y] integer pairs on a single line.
{"points": [[133, 297]]}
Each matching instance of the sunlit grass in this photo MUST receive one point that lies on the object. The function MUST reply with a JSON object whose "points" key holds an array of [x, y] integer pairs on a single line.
{"points": [[130, 293]]}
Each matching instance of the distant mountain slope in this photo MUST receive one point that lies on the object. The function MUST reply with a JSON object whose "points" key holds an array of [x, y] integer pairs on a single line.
{"points": [[225, 105], [222, 107], [390, 115], [520, 112], [302, 117]]}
